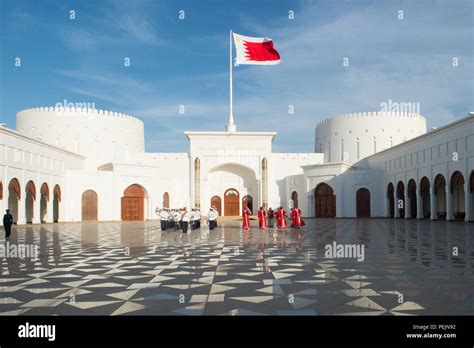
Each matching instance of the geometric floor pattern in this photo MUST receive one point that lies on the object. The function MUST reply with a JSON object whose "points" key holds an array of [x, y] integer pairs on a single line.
{"points": [[133, 268]]}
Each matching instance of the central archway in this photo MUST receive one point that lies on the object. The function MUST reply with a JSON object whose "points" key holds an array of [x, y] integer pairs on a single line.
{"points": [[231, 202], [363, 202], [133, 203], [238, 177], [325, 201]]}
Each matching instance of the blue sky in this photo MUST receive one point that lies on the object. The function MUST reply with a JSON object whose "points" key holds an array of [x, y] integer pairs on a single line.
{"points": [[185, 62]]}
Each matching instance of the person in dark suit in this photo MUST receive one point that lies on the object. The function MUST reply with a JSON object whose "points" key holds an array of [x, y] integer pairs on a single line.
{"points": [[7, 223]]}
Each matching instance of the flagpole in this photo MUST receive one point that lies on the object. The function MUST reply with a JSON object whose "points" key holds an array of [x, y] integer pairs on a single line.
{"points": [[230, 125]]}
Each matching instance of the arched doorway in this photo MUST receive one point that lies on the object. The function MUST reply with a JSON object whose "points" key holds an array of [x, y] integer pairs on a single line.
{"points": [[363, 203], [231, 203], [247, 201], [391, 200], [166, 200], [457, 190], [412, 197], [401, 199], [44, 191], [30, 199], [56, 200], [425, 197], [89, 206], [133, 203], [325, 202], [294, 198], [217, 202], [14, 195], [440, 195]]}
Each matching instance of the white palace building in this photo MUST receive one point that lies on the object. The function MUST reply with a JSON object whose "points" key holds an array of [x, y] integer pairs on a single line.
{"points": [[64, 164]]}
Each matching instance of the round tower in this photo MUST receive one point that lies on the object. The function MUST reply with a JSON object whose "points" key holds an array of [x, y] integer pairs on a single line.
{"points": [[351, 137], [101, 136]]}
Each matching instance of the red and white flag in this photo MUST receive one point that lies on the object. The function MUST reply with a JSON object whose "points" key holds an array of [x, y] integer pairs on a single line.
{"points": [[255, 50]]}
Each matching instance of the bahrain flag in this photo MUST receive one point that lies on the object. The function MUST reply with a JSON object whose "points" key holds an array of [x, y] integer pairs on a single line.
{"points": [[255, 50]]}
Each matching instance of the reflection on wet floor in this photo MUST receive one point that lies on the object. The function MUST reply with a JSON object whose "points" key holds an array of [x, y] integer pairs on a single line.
{"points": [[134, 268]]}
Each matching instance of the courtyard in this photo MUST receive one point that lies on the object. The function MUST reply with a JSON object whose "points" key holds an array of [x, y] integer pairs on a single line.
{"points": [[410, 267]]}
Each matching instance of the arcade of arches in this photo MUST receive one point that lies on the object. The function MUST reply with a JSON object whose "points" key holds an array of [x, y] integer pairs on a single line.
{"points": [[443, 198], [23, 203], [440, 200]]}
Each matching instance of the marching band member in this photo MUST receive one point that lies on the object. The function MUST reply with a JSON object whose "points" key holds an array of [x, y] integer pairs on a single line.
{"points": [[197, 215], [164, 219], [262, 221], [246, 215], [270, 217], [295, 218], [281, 218], [177, 220], [300, 212], [185, 220], [212, 218]]}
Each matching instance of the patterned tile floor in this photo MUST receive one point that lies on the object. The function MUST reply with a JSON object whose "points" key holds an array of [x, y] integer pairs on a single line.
{"points": [[133, 268]]}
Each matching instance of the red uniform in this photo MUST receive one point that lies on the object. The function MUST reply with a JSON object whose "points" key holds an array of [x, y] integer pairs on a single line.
{"points": [[296, 220], [246, 215], [300, 212], [262, 218], [281, 218]]}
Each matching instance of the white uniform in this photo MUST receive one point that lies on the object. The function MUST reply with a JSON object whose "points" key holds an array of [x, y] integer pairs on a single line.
{"points": [[164, 215]]}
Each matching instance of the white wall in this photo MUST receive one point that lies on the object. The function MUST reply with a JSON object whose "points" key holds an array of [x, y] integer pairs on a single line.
{"points": [[27, 159]]}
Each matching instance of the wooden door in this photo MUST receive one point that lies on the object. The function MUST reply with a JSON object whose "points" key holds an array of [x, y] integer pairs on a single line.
{"points": [[132, 209], [325, 202], [166, 200], [363, 203], [133, 203], [231, 203], [89, 206], [217, 202]]}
